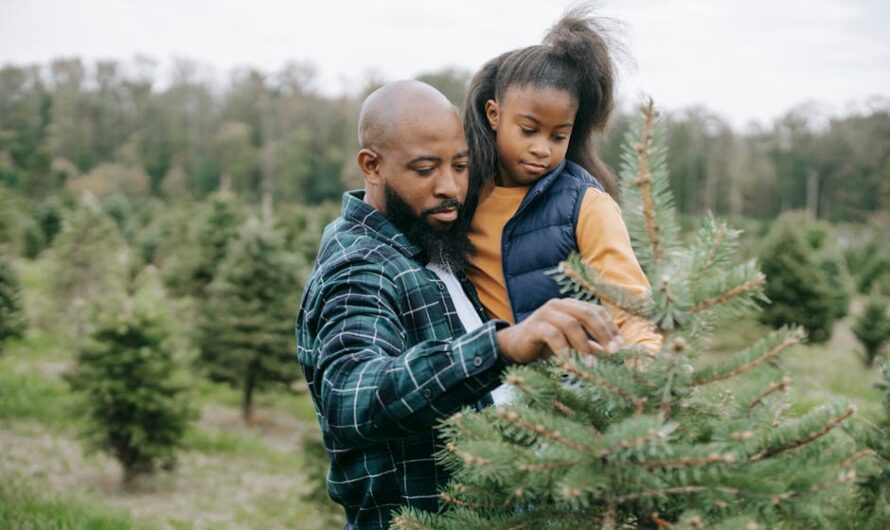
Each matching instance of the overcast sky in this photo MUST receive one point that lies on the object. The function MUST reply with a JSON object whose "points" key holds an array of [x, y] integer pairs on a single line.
{"points": [[745, 60]]}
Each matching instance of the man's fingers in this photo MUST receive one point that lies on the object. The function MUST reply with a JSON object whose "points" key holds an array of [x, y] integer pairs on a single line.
{"points": [[572, 330], [597, 321], [554, 338]]}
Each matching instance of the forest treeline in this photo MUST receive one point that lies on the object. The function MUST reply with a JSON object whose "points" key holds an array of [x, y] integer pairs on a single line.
{"points": [[114, 126]]}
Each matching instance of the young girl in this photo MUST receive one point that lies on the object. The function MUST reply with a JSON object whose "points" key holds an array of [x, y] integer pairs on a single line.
{"points": [[530, 117]]}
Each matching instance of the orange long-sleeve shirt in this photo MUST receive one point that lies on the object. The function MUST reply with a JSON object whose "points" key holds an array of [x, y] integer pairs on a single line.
{"points": [[602, 241]]}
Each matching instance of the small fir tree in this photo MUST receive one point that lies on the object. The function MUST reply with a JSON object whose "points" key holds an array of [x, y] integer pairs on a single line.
{"points": [[594, 442], [217, 227], [246, 328], [12, 314], [136, 408], [799, 290], [872, 328], [49, 217], [88, 260]]}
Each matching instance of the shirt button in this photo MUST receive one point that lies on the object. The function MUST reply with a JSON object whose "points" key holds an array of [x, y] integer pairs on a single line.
{"points": [[440, 286], [427, 392], [477, 361]]}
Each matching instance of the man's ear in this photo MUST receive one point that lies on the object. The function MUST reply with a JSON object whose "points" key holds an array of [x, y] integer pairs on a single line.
{"points": [[492, 112], [369, 165]]}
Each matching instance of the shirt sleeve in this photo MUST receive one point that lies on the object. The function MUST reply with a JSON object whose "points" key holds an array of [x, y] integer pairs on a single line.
{"points": [[372, 385], [605, 245]]}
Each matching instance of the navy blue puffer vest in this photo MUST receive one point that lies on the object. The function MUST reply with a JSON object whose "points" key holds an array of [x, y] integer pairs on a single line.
{"points": [[541, 234]]}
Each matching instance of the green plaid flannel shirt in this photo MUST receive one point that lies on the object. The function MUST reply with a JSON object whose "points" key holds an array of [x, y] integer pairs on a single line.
{"points": [[386, 359]]}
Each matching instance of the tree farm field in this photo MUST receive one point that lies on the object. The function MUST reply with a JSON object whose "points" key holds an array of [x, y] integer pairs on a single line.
{"points": [[230, 476]]}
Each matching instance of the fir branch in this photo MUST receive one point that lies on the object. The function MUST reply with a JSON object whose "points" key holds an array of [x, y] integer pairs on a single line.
{"points": [[781, 386], [739, 290], [570, 367], [832, 423], [401, 522], [850, 460], [644, 181], [679, 490], [689, 461], [470, 460], [556, 436], [576, 276], [728, 371]]}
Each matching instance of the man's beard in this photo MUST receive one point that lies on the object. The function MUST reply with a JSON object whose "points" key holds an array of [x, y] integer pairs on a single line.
{"points": [[447, 247]]}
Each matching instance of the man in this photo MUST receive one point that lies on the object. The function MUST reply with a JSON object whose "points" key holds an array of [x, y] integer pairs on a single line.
{"points": [[390, 332]]}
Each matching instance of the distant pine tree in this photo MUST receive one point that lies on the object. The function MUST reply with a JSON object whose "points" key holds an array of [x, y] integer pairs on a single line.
{"points": [[126, 371], [799, 289], [218, 226], [872, 328], [246, 325], [49, 217], [88, 261], [12, 314]]}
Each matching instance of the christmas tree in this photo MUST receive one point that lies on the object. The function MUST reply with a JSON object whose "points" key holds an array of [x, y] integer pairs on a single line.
{"points": [[246, 330], [872, 328], [127, 375], [636, 441], [12, 314], [800, 289]]}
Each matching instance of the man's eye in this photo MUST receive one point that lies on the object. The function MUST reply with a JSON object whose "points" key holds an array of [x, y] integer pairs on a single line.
{"points": [[424, 171]]}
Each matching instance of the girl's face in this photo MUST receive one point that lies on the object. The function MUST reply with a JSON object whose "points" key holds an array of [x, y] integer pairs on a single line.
{"points": [[533, 126]]}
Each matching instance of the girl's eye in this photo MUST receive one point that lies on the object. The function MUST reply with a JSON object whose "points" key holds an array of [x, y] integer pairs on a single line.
{"points": [[560, 137], [526, 130], [460, 167]]}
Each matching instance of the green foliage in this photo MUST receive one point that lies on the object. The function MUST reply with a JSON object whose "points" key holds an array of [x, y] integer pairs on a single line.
{"points": [[246, 328], [316, 470], [49, 217], [12, 313], [23, 508], [88, 262], [872, 328], [822, 239], [197, 266], [634, 440], [799, 290], [136, 406], [33, 240]]}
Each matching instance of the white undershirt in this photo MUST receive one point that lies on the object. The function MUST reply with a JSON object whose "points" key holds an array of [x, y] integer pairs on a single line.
{"points": [[465, 310], [468, 317]]}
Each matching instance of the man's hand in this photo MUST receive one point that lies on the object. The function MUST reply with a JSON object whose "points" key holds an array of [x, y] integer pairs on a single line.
{"points": [[560, 324]]}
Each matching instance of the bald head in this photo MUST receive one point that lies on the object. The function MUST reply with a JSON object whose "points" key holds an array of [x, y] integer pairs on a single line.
{"points": [[396, 106]]}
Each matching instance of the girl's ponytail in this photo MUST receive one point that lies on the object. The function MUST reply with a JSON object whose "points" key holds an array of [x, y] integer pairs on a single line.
{"points": [[580, 39]]}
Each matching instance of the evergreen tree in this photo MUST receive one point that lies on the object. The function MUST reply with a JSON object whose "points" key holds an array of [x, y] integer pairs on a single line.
{"points": [[799, 289], [88, 261], [596, 442], [127, 373], [198, 267], [872, 328], [870, 509], [246, 329], [49, 217], [12, 314], [822, 240]]}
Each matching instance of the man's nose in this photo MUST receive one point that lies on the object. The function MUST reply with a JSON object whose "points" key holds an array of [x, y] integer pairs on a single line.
{"points": [[448, 183]]}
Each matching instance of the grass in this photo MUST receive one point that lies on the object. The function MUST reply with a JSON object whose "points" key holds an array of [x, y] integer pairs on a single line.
{"points": [[21, 508]]}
